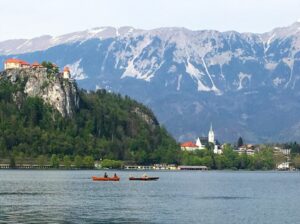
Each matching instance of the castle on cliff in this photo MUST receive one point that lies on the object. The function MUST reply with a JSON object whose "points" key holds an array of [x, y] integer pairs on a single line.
{"points": [[13, 63]]}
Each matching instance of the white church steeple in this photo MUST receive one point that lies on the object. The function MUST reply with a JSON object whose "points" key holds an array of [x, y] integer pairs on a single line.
{"points": [[211, 135]]}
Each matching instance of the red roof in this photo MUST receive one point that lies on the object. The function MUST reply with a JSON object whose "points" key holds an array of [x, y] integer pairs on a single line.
{"points": [[17, 61], [66, 69], [35, 64], [188, 144]]}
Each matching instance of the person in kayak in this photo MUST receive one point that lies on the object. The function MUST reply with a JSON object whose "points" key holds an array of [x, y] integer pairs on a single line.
{"points": [[105, 175]]}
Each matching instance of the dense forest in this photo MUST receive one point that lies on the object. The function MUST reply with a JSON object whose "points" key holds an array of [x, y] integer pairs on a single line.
{"points": [[106, 126]]}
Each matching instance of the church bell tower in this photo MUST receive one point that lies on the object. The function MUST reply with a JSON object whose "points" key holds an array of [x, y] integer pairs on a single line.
{"points": [[211, 135]]}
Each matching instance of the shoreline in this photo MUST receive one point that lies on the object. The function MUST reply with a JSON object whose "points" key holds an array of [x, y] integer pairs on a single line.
{"points": [[140, 170]]}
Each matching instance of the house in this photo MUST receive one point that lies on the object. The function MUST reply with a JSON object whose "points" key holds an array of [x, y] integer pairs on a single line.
{"points": [[248, 149], [36, 65], [15, 63], [66, 73], [189, 146], [285, 152], [283, 166], [218, 149]]}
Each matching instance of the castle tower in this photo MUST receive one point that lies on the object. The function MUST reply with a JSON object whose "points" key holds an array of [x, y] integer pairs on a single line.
{"points": [[211, 135], [66, 73]]}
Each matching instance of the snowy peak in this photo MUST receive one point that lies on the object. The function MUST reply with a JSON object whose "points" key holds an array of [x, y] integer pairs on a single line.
{"points": [[20, 46], [182, 37]]}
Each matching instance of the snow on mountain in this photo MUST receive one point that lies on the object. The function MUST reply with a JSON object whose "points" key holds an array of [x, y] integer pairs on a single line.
{"points": [[245, 83], [45, 42], [77, 71]]}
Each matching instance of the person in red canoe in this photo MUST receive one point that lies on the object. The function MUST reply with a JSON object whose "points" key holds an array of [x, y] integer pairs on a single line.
{"points": [[115, 175], [105, 175]]}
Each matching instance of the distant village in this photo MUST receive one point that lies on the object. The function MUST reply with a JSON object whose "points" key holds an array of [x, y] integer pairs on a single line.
{"points": [[13, 63], [202, 143]]}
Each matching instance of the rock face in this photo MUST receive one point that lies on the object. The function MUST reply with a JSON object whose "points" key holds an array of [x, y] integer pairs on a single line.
{"points": [[52, 88], [246, 84]]}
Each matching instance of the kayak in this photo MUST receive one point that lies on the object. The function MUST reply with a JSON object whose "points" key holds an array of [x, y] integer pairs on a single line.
{"points": [[105, 178], [143, 178]]}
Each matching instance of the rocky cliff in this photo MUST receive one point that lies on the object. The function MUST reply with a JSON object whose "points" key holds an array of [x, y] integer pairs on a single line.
{"points": [[60, 93]]}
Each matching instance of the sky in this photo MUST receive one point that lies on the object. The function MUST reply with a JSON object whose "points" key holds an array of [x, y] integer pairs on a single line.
{"points": [[32, 18]]}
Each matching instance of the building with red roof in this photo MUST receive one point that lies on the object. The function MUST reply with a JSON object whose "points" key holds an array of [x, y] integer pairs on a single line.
{"points": [[66, 73], [15, 63], [189, 146], [36, 65]]}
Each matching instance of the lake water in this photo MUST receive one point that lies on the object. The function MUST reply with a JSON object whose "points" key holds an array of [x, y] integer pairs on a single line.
{"points": [[177, 197]]}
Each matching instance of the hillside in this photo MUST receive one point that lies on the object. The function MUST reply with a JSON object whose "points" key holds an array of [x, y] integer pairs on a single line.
{"points": [[43, 114], [246, 84]]}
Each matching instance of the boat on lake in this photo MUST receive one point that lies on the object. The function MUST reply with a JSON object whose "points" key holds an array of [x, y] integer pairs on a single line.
{"points": [[144, 178], [95, 178]]}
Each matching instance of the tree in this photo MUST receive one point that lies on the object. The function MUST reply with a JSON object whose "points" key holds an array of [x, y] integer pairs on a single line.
{"points": [[20, 158], [295, 148], [240, 142], [296, 161], [12, 162], [51, 68], [244, 161], [263, 160], [230, 157], [54, 162], [88, 162], [279, 158], [112, 164], [78, 161], [41, 160], [67, 162]]}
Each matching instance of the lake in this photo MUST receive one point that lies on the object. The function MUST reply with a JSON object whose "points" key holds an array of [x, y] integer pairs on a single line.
{"points": [[177, 197]]}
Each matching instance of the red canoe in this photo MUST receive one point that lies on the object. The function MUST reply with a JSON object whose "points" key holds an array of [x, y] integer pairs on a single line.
{"points": [[105, 178], [143, 178]]}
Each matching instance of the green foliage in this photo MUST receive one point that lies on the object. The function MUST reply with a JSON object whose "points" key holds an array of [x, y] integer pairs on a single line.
{"points": [[296, 162], [112, 164], [41, 160], [106, 126], [88, 162], [51, 68], [78, 162], [264, 160], [67, 162], [12, 162], [294, 146], [54, 162], [231, 159]]}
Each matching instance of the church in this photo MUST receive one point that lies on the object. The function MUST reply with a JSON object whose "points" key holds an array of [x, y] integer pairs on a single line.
{"points": [[202, 142]]}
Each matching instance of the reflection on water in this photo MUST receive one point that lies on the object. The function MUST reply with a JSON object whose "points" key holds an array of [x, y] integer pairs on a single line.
{"points": [[178, 197]]}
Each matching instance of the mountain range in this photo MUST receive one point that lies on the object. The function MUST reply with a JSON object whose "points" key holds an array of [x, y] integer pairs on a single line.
{"points": [[245, 84]]}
